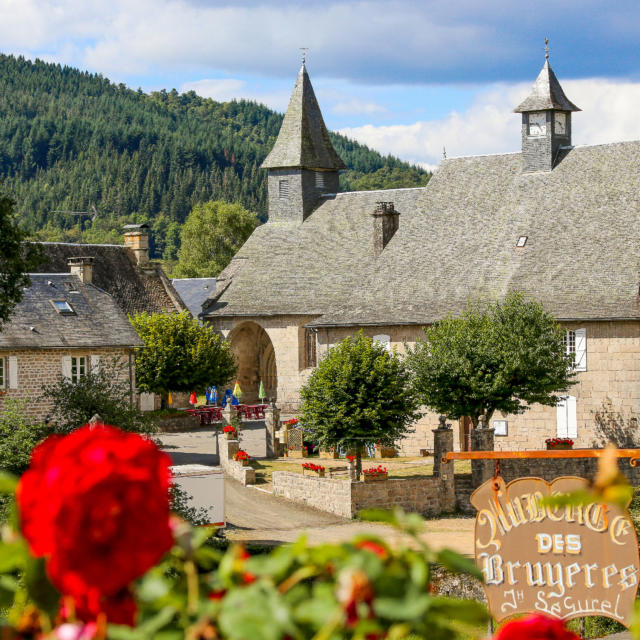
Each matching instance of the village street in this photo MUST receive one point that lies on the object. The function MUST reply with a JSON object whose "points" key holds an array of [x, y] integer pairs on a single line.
{"points": [[255, 515]]}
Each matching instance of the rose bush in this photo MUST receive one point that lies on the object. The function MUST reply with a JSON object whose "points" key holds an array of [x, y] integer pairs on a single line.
{"points": [[535, 627], [85, 506]]}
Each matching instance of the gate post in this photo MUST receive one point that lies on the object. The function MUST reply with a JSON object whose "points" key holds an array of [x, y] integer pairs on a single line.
{"points": [[272, 422], [442, 443], [482, 440]]}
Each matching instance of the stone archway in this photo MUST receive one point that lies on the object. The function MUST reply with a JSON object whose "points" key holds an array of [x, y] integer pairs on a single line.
{"points": [[256, 361]]}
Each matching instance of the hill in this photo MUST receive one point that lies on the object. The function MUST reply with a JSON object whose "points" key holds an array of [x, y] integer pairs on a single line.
{"points": [[70, 139]]}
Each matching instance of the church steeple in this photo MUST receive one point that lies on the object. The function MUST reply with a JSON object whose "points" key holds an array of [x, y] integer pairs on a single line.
{"points": [[546, 121], [303, 163]]}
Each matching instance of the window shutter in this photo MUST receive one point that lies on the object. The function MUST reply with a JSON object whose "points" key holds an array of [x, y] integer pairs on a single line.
{"points": [[384, 340], [581, 350], [13, 372], [561, 419], [95, 364], [572, 419], [66, 367]]}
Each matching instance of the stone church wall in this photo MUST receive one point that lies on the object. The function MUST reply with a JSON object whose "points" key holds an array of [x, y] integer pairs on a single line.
{"points": [[612, 379]]}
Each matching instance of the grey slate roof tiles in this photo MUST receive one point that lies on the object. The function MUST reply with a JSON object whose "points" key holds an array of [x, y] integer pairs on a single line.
{"points": [[194, 292], [115, 271], [96, 321], [546, 93], [457, 242], [303, 141]]}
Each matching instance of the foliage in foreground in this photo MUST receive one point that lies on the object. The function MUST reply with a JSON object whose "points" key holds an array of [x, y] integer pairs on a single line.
{"points": [[99, 551], [504, 357], [104, 391], [180, 354], [359, 393], [211, 235]]}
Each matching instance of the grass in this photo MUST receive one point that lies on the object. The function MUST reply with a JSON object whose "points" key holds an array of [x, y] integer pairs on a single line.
{"points": [[396, 467]]}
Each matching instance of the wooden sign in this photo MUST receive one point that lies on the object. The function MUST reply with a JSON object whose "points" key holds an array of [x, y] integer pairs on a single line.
{"points": [[565, 562]]}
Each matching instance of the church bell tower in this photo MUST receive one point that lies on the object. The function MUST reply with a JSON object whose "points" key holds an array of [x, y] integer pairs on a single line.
{"points": [[303, 164], [546, 121]]}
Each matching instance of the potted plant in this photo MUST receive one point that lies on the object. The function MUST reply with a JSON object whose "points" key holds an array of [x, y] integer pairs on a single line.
{"points": [[230, 432], [242, 457], [384, 451], [559, 443], [375, 474], [316, 468]]}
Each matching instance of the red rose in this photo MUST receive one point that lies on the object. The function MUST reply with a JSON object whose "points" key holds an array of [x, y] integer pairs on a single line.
{"points": [[535, 627], [118, 609], [96, 504], [374, 547]]}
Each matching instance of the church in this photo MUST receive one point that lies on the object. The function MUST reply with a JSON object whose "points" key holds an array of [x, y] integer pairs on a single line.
{"points": [[556, 221]]}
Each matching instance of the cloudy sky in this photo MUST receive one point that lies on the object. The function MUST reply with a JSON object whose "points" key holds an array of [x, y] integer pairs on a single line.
{"points": [[403, 76]]}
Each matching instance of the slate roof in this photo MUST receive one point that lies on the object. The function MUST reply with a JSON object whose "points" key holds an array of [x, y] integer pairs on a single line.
{"points": [[194, 292], [96, 321], [457, 242], [546, 93], [303, 141], [116, 272]]}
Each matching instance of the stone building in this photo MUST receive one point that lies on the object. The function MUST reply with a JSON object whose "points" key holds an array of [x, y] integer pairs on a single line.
{"points": [[64, 326], [556, 221]]}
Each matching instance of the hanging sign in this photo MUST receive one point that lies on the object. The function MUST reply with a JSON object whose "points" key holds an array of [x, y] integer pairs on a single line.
{"points": [[565, 562]]}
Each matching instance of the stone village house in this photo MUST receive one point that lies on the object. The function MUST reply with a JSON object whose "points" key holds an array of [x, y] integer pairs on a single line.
{"points": [[556, 221], [102, 284]]}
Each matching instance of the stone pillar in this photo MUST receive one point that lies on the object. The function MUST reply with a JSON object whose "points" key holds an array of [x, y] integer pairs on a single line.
{"points": [[272, 422], [482, 440], [442, 443]]}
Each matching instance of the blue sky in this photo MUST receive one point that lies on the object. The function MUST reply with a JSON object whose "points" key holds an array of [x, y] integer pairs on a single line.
{"points": [[406, 77]]}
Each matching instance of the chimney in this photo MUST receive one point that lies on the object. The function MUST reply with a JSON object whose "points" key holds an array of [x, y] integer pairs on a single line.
{"points": [[136, 238], [385, 224], [82, 267]]}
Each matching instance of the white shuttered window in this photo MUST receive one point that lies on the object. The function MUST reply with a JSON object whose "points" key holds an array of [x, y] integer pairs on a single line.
{"points": [[13, 372], [581, 350], [66, 367], [566, 418], [95, 364]]}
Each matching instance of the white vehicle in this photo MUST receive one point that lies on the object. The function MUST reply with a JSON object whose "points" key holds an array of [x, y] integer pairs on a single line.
{"points": [[206, 486]]}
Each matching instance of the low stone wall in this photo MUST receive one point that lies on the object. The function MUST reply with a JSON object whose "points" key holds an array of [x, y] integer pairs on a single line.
{"points": [[346, 498], [244, 475], [177, 423]]}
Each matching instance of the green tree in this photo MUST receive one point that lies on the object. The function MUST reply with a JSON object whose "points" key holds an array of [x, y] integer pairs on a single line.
{"points": [[504, 357], [15, 260], [360, 393], [18, 437], [180, 354], [104, 391], [211, 236]]}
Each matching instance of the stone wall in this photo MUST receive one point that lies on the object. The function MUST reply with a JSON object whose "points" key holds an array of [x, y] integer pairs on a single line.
{"points": [[244, 475], [177, 423], [38, 367], [346, 498]]}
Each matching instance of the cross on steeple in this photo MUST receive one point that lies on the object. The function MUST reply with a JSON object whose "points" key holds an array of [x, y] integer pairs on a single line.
{"points": [[304, 54], [546, 48]]}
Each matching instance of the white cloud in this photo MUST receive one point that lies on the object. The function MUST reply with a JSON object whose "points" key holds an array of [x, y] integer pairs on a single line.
{"points": [[225, 89], [609, 115]]}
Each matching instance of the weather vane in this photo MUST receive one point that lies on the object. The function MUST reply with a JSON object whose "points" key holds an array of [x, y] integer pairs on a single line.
{"points": [[546, 48], [444, 153], [304, 53]]}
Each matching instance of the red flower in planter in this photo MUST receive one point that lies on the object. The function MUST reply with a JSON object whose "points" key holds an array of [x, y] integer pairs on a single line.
{"points": [[86, 503], [375, 471], [229, 429], [535, 627], [310, 466], [241, 455]]}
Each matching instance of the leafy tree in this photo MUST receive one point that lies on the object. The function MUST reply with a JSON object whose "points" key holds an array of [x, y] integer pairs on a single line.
{"points": [[15, 260], [180, 354], [211, 236], [505, 357], [18, 437], [104, 391], [359, 393]]}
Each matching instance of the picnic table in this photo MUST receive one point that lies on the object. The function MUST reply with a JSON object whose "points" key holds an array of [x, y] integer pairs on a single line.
{"points": [[210, 414]]}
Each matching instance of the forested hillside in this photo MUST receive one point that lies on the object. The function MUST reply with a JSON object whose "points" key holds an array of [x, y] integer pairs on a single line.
{"points": [[70, 139]]}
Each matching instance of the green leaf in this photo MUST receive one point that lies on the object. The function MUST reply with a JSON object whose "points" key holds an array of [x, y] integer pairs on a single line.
{"points": [[450, 610], [13, 555], [408, 608], [8, 483], [39, 587]]}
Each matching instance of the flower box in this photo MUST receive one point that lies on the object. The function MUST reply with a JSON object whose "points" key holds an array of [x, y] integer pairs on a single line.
{"points": [[559, 443], [230, 432], [385, 452], [331, 454], [318, 469], [375, 477], [242, 457], [244, 463]]}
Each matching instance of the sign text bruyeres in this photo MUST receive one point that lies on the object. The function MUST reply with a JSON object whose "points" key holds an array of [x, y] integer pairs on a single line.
{"points": [[566, 562]]}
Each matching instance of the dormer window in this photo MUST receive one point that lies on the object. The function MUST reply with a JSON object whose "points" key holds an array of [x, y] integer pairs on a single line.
{"points": [[538, 124], [62, 307], [522, 240]]}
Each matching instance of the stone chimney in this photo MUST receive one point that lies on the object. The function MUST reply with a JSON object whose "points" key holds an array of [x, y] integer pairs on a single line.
{"points": [[385, 224], [82, 267], [136, 238]]}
